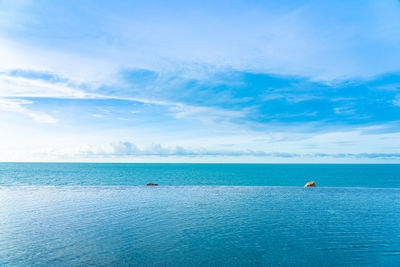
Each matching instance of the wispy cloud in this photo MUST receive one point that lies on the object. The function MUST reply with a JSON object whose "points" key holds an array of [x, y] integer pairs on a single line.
{"points": [[396, 101], [34, 84], [346, 110], [18, 106], [20, 86]]}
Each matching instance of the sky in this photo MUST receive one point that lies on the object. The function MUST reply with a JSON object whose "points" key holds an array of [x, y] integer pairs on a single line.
{"points": [[200, 81]]}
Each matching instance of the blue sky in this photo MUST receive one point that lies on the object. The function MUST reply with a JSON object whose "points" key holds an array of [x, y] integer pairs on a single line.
{"points": [[200, 81]]}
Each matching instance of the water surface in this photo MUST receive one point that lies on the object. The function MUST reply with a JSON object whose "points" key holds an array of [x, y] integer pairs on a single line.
{"points": [[199, 226], [326, 175], [77, 214]]}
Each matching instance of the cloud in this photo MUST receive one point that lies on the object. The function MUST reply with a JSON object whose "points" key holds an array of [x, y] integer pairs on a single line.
{"points": [[41, 84], [206, 114], [127, 149], [319, 40], [238, 98], [28, 86], [122, 149], [289, 97], [17, 105], [396, 101], [344, 110]]}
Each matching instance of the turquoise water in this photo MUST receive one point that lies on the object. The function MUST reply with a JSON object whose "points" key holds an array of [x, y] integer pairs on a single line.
{"points": [[200, 215], [326, 175]]}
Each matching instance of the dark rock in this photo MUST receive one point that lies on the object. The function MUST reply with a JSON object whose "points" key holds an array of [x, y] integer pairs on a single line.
{"points": [[151, 184]]}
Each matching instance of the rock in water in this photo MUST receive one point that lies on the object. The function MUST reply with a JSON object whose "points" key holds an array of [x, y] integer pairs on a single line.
{"points": [[310, 184], [151, 184]]}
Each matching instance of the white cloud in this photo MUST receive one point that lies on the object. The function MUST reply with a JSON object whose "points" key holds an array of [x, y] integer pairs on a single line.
{"points": [[396, 101], [24, 87], [127, 149], [344, 110], [17, 105], [206, 114]]}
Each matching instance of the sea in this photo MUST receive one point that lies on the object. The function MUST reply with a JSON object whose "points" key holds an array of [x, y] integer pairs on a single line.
{"points": [[103, 214]]}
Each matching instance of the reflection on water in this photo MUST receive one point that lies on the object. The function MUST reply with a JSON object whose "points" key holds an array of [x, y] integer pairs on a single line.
{"points": [[198, 225]]}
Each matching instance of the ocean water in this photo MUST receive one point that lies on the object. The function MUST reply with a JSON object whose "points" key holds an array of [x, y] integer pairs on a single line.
{"points": [[103, 215], [325, 175]]}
